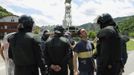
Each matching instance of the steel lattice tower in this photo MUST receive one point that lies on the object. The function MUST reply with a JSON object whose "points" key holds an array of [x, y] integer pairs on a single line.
{"points": [[67, 17]]}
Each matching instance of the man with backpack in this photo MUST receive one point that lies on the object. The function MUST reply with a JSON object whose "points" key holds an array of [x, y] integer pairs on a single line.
{"points": [[108, 47], [124, 55]]}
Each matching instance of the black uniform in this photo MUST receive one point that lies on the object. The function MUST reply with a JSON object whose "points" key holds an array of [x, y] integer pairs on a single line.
{"points": [[25, 50], [72, 42], [124, 55], [57, 52], [26, 54], [108, 47], [109, 52]]}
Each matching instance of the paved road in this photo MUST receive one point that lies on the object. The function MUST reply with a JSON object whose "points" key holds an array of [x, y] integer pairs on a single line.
{"points": [[129, 67]]}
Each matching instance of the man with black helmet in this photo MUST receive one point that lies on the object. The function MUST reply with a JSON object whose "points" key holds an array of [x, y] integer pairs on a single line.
{"points": [[108, 47], [25, 50], [57, 52], [44, 37]]}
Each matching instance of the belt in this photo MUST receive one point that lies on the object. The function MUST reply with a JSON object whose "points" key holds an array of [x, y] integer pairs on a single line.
{"points": [[86, 54]]}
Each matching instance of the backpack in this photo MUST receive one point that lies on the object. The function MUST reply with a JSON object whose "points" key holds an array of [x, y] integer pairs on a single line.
{"points": [[123, 44]]}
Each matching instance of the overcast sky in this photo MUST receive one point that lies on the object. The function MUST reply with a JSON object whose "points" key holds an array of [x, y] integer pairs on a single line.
{"points": [[49, 12]]}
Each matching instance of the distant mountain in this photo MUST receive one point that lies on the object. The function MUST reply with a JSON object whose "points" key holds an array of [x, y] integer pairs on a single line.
{"points": [[4, 12], [126, 24], [89, 26], [119, 19], [86, 25]]}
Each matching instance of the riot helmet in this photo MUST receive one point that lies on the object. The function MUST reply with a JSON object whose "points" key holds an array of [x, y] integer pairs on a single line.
{"points": [[45, 35], [59, 29], [25, 22], [105, 20]]}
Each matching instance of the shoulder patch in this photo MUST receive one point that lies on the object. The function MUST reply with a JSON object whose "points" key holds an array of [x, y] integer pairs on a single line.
{"points": [[63, 39]]}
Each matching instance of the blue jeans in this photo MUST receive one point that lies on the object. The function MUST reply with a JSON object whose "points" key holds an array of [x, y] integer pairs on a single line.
{"points": [[86, 73]]}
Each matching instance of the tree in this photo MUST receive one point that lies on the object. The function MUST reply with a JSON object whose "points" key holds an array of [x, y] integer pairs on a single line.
{"points": [[126, 26], [4, 12], [91, 34], [36, 29]]}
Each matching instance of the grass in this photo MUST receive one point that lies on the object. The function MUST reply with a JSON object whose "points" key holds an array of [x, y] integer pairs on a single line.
{"points": [[130, 45]]}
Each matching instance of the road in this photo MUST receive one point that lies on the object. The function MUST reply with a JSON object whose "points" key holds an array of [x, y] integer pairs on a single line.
{"points": [[129, 67]]}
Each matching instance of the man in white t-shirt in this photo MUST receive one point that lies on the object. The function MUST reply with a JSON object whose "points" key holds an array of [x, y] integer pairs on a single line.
{"points": [[8, 62]]}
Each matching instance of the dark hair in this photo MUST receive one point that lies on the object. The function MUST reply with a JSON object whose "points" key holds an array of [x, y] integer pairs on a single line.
{"points": [[45, 31], [25, 22], [79, 32]]}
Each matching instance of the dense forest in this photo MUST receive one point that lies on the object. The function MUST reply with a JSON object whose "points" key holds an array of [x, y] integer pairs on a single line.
{"points": [[4, 12], [126, 25]]}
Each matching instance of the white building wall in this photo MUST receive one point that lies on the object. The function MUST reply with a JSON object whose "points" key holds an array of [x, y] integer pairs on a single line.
{"points": [[9, 19]]}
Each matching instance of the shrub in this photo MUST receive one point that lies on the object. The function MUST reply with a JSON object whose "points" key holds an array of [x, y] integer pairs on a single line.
{"points": [[91, 34], [131, 34]]}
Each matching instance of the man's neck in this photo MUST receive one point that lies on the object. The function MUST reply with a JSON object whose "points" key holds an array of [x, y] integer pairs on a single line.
{"points": [[84, 38]]}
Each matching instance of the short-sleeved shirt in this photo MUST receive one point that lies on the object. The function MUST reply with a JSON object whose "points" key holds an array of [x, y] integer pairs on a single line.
{"points": [[84, 50]]}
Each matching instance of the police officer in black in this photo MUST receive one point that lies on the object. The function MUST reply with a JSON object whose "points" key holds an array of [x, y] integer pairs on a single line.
{"points": [[25, 50], [108, 47], [68, 35], [44, 37], [124, 55], [57, 52]]}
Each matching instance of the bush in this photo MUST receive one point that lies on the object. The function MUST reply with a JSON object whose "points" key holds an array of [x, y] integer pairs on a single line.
{"points": [[131, 34], [130, 45], [91, 34]]}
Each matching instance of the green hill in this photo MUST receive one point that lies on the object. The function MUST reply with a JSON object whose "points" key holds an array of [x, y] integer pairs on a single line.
{"points": [[126, 25], [4, 12], [89, 27]]}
